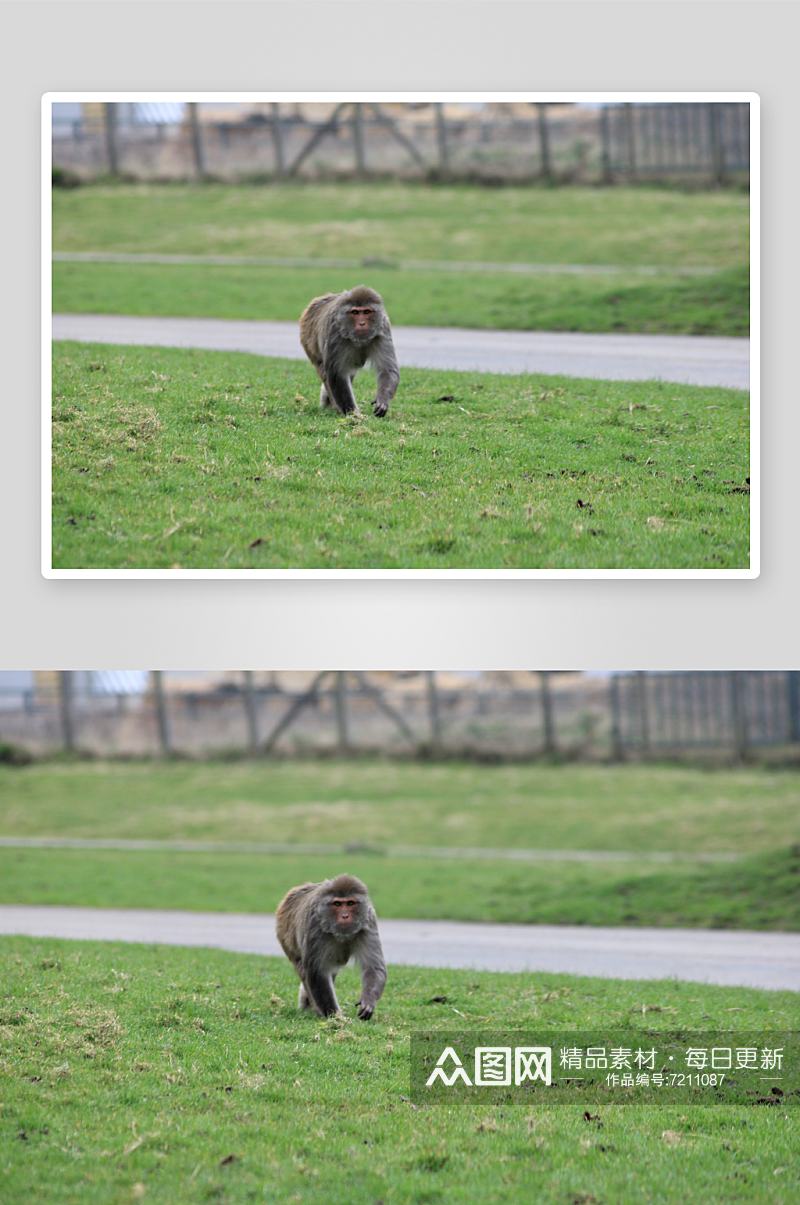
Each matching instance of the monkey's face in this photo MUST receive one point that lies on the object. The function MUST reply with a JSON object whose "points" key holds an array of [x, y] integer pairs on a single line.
{"points": [[344, 913], [362, 318]]}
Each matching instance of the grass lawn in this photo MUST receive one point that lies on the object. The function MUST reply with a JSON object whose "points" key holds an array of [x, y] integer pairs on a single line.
{"points": [[382, 804], [136, 1073], [759, 892], [698, 305], [751, 812], [621, 227], [570, 225], [165, 458]]}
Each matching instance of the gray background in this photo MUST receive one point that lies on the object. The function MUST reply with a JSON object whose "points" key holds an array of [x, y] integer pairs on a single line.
{"points": [[380, 45]]}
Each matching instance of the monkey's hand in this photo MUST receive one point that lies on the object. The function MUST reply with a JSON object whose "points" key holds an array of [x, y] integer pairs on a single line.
{"points": [[365, 1009], [380, 407]]}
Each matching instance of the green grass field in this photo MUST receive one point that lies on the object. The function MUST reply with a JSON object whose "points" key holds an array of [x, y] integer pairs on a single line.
{"points": [[704, 305], [350, 806], [185, 459], [390, 223], [759, 892], [637, 808], [623, 226], [161, 1074]]}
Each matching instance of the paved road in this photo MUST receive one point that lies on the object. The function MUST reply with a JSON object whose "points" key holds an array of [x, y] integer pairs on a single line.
{"points": [[680, 358], [765, 960]]}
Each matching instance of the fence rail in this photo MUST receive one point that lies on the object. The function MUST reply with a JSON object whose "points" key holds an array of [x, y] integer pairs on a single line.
{"points": [[635, 715], [606, 143]]}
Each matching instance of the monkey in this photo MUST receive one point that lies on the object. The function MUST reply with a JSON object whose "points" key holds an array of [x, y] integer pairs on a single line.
{"points": [[339, 333], [320, 927]]}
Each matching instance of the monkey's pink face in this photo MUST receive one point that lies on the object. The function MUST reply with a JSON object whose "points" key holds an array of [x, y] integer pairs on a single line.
{"points": [[345, 912], [361, 317]]}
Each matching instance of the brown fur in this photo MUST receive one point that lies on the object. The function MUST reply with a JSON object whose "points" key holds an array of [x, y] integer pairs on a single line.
{"points": [[338, 351], [318, 947]]}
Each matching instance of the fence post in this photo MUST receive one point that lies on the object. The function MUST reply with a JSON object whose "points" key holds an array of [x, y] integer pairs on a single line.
{"points": [[341, 712], [277, 138], [717, 149], [644, 725], [794, 704], [252, 717], [65, 708], [605, 137], [544, 144], [627, 117], [197, 143], [358, 139], [547, 712], [433, 712], [739, 717], [161, 711], [111, 139], [616, 719], [441, 139]]}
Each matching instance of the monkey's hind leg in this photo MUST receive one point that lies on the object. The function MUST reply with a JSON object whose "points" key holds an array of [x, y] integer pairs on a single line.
{"points": [[303, 1000], [324, 400]]}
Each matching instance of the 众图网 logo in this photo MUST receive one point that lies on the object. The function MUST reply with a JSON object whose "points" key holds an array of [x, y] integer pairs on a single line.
{"points": [[631, 1064], [493, 1066]]}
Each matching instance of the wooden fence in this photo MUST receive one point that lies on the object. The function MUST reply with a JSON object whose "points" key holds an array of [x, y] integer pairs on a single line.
{"points": [[333, 712], [675, 139], [632, 715], [741, 711], [570, 142]]}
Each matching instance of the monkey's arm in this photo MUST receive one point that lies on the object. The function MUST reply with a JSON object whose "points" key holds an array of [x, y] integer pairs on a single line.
{"points": [[388, 374], [373, 975], [373, 982]]}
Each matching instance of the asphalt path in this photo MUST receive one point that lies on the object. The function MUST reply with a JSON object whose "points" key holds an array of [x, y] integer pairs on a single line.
{"points": [[684, 359], [738, 959]]}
